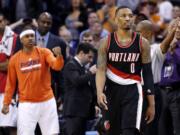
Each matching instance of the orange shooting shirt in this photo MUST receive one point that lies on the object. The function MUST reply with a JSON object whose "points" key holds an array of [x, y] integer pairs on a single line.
{"points": [[32, 71]]}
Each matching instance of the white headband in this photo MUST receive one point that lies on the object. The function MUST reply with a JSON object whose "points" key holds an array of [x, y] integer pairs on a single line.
{"points": [[26, 32]]}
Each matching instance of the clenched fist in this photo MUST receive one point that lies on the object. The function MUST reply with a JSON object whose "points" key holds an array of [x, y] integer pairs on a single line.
{"points": [[57, 51]]}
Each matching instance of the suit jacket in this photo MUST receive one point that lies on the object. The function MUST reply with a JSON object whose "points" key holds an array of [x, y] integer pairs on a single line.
{"points": [[57, 76], [79, 95], [54, 41]]}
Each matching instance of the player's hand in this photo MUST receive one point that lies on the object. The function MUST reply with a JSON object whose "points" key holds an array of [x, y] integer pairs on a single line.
{"points": [[5, 109], [150, 113], [57, 51], [101, 97], [97, 110]]}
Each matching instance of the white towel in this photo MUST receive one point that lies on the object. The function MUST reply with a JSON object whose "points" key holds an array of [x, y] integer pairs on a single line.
{"points": [[6, 44]]}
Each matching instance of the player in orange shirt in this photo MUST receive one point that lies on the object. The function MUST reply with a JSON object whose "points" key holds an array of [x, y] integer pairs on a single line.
{"points": [[30, 67]]}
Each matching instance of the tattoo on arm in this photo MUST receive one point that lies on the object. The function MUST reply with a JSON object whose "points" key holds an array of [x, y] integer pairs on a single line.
{"points": [[102, 55], [146, 57]]}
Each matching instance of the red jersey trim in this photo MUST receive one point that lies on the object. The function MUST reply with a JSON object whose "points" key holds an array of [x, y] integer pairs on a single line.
{"points": [[124, 75], [14, 44], [3, 76], [128, 44], [108, 42]]}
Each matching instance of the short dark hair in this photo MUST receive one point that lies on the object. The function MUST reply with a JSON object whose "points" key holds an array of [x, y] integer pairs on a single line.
{"points": [[85, 47], [121, 7]]}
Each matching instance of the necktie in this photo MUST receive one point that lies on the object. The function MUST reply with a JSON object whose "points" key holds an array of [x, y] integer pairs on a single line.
{"points": [[41, 42]]}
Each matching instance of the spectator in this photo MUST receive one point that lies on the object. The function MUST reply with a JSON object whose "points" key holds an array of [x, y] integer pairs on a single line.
{"points": [[92, 18], [106, 15], [165, 10], [176, 12], [94, 5], [28, 8], [98, 33], [66, 35], [87, 37], [159, 24], [76, 20], [143, 8], [132, 4], [19, 25]]}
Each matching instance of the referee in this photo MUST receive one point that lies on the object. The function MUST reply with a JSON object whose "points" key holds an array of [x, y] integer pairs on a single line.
{"points": [[158, 51]]}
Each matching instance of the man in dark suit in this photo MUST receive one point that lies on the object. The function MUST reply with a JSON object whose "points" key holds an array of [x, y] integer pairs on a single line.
{"points": [[79, 102], [45, 38]]}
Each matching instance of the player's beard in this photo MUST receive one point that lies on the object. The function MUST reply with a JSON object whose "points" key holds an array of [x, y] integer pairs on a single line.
{"points": [[32, 42], [128, 27]]}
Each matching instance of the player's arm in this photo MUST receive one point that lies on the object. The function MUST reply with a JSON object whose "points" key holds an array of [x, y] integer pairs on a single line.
{"points": [[10, 86], [147, 70], [101, 73], [148, 80]]}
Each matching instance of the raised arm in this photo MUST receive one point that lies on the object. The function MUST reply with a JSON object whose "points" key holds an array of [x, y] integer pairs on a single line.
{"points": [[167, 41], [16, 24], [57, 62], [170, 36], [101, 73]]}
